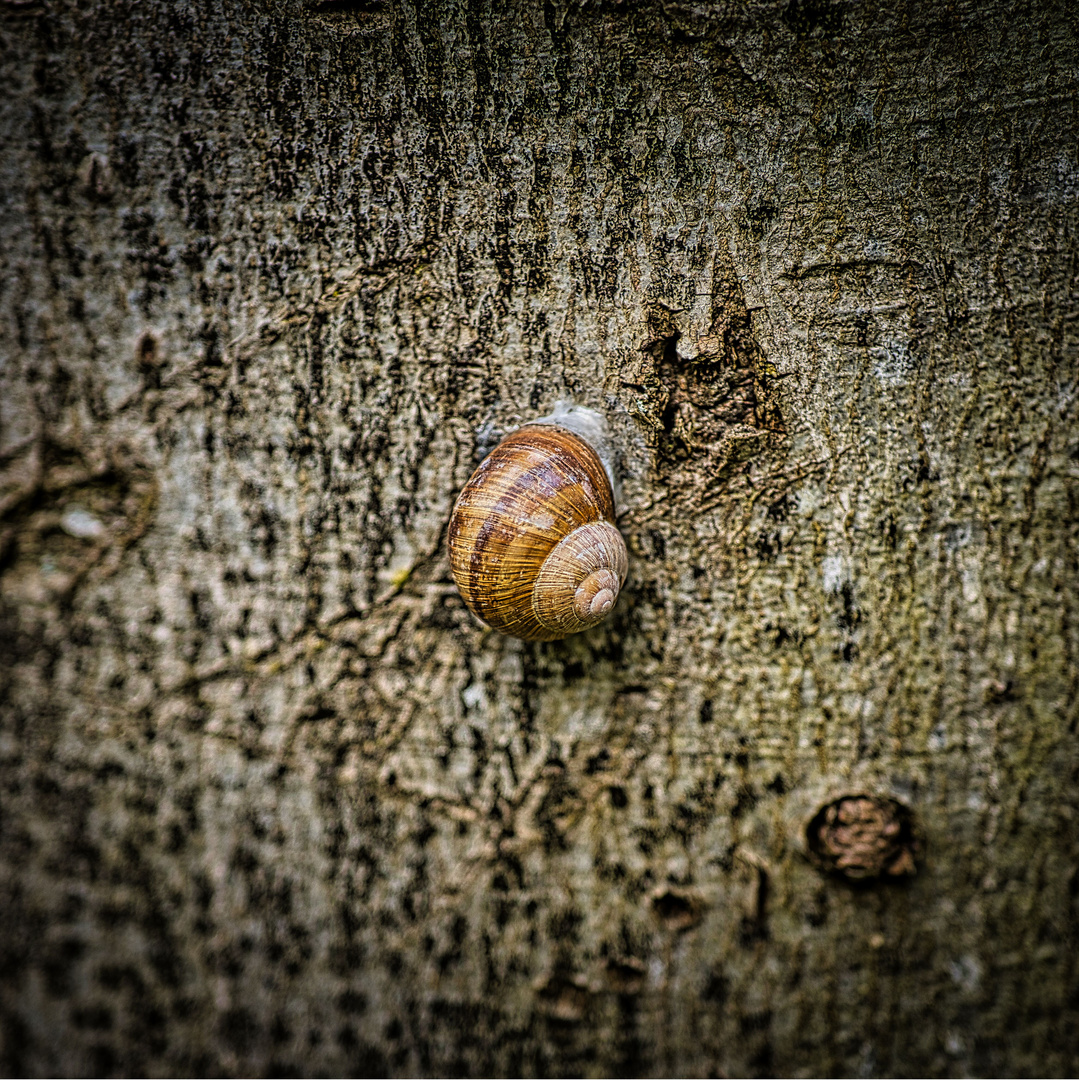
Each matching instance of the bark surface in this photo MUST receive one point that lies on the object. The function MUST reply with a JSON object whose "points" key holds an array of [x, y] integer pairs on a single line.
{"points": [[275, 276]]}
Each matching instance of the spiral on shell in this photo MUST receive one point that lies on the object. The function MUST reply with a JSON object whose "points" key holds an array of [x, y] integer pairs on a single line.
{"points": [[533, 546]]}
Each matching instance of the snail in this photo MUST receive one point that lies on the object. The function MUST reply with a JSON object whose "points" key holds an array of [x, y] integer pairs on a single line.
{"points": [[533, 546]]}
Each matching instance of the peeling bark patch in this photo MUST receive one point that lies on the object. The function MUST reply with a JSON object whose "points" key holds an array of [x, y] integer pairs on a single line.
{"points": [[711, 401], [565, 997], [625, 975], [863, 837], [676, 909]]}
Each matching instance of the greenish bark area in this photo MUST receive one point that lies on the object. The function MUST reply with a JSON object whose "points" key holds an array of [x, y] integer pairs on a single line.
{"points": [[276, 276]]}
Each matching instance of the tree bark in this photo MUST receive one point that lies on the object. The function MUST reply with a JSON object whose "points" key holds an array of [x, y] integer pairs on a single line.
{"points": [[277, 275]]}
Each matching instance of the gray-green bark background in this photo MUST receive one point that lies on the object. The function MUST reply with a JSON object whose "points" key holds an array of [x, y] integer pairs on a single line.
{"points": [[276, 275]]}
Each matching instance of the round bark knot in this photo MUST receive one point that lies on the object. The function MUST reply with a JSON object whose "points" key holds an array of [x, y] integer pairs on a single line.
{"points": [[864, 836]]}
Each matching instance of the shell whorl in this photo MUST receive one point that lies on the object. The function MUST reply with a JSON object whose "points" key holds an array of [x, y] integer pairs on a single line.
{"points": [[579, 581], [533, 547]]}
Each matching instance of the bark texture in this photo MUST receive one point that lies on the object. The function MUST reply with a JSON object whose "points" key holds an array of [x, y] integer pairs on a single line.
{"points": [[275, 276]]}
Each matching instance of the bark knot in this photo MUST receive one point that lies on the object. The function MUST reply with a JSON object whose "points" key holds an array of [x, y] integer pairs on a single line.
{"points": [[862, 837]]}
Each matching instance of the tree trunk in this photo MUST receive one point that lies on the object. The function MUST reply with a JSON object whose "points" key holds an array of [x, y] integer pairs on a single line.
{"points": [[277, 275]]}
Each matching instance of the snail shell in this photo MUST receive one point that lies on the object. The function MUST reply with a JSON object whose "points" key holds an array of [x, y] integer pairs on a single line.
{"points": [[533, 546]]}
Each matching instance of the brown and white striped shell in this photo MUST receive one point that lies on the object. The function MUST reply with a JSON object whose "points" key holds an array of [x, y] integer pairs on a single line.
{"points": [[533, 546]]}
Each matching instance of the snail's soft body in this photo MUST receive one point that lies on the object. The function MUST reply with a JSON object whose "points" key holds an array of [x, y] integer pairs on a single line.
{"points": [[533, 546]]}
